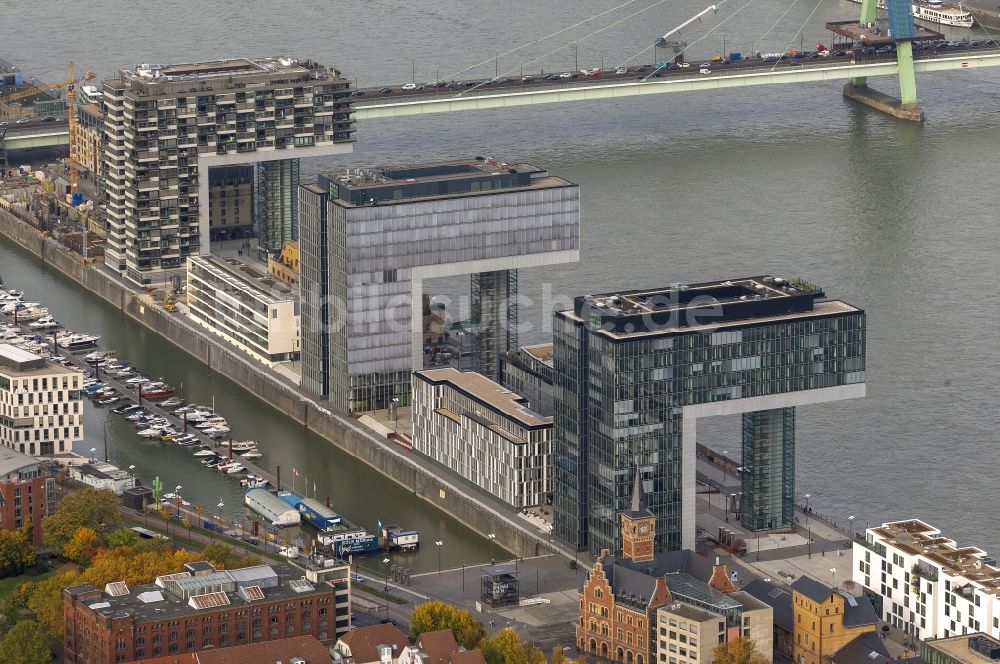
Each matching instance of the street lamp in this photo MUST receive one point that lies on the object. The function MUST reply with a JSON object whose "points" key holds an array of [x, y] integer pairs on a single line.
{"points": [[725, 455], [93, 451], [492, 537], [385, 564], [131, 469], [807, 497], [220, 506], [850, 520], [439, 544], [177, 499]]}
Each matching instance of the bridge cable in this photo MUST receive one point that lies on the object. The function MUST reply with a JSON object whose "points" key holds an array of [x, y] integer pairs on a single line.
{"points": [[707, 34], [576, 41], [753, 47], [798, 33], [541, 39]]}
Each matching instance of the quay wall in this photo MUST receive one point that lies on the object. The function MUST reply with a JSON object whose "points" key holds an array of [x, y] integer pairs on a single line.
{"points": [[386, 457]]}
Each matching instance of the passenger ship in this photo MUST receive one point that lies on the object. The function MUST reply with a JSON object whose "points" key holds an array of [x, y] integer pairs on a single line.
{"points": [[935, 11]]}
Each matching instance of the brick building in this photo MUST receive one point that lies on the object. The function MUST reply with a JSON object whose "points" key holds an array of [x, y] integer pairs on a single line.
{"points": [[26, 493], [294, 650], [201, 609]]}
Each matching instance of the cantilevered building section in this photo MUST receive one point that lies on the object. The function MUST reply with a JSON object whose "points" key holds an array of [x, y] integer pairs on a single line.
{"points": [[168, 125], [634, 371], [370, 238]]}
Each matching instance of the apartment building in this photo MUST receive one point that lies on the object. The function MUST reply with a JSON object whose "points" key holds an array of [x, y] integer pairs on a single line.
{"points": [[87, 139], [976, 648], [828, 622], [199, 609], [926, 584], [168, 126], [285, 266], [29, 493], [486, 434], [236, 301], [370, 238], [634, 371], [41, 404], [104, 476]]}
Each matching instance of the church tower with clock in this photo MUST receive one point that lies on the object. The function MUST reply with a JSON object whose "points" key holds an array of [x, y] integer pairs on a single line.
{"points": [[638, 527]]}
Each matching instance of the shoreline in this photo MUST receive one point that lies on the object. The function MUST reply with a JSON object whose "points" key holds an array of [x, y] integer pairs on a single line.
{"points": [[476, 511]]}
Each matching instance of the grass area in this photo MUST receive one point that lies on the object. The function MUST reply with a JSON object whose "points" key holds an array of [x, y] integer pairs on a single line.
{"points": [[35, 574], [369, 590]]}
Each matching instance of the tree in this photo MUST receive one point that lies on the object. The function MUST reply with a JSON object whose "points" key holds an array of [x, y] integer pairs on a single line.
{"points": [[46, 602], [738, 651], [98, 510], [435, 614], [122, 537], [223, 557], [16, 551], [507, 647], [82, 546], [24, 643]]}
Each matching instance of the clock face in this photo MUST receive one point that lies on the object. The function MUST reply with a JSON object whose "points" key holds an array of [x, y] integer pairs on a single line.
{"points": [[643, 529]]}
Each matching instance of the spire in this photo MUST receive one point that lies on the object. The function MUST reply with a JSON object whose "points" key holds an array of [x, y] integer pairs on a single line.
{"points": [[637, 495]]}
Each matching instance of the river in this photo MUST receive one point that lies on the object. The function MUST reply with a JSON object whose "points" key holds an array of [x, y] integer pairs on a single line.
{"points": [[899, 219]]}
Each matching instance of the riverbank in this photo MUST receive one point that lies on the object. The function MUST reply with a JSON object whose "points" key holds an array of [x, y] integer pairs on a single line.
{"points": [[479, 513]]}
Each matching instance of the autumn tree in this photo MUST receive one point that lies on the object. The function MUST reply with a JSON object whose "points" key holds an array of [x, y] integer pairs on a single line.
{"points": [[223, 557], [507, 647], [435, 614], [739, 651], [24, 643], [16, 551], [82, 546], [97, 510], [135, 565], [46, 602]]}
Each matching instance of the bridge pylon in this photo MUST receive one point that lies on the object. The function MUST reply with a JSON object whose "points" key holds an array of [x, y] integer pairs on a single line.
{"points": [[898, 30]]}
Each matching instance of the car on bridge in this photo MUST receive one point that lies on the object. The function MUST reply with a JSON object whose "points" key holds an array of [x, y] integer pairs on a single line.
{"points": [[409, 86], [621, 71], [385, 91]]}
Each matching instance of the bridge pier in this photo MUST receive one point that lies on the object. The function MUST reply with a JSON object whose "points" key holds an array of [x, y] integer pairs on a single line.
{"points": [[884, 103]]}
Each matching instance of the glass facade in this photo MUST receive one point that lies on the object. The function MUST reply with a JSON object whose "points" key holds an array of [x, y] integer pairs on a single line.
{"points": [[277, 218], [494, 309], [314, 292], [620, 401], [379, 254], [768, 481]]}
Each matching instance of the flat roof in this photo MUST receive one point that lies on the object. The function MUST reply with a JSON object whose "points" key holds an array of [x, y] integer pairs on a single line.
{"points": [[246, 277], [689, 612], [489, 393], [541, 352], [214, 69], [170, 607], [24, 363], [917, 538], [387, 185], [958, 646]]}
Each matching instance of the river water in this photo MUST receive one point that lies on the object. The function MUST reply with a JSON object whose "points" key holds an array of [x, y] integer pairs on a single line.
{"points": [[896, 218]]}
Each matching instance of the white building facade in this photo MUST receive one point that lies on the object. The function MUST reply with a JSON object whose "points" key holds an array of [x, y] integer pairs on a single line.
{"points": [[484, 433], [244, 306], [41, 404], [926, 584], [103, 476]]}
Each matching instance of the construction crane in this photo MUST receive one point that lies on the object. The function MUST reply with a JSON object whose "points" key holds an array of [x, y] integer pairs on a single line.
{"points": [[70, 85]]}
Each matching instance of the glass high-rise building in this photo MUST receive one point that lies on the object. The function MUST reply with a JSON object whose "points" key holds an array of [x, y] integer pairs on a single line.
{"points": [[634, 371]]}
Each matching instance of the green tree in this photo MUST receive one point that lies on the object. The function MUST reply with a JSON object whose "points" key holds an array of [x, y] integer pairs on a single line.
{"points": [[16, 551], [507, 647], [82, 546], [738, 651], [98, 510], [25, 643], [122, 537], [435, 614]]}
